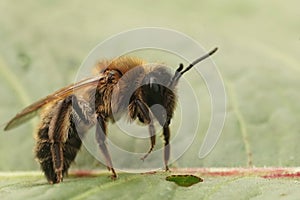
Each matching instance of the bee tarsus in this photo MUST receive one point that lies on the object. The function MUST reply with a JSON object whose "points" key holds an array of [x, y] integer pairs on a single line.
{"points": [[152, 140]]}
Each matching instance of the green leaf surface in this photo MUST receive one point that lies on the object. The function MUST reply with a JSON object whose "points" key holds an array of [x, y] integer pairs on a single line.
{"points": [[150, 186], [44, 42]]}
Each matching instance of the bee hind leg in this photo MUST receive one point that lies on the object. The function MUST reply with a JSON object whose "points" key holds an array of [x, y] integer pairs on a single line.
{"points": [[57, 139], [50, 141]]}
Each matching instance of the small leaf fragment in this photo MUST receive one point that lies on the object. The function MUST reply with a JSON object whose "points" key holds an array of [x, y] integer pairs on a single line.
{"points": [[184, 180]]}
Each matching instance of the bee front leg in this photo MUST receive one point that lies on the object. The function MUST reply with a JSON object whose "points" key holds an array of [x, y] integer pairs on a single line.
{"points": [[146, 118], [101, 138], [152, 139], [166, 133]]}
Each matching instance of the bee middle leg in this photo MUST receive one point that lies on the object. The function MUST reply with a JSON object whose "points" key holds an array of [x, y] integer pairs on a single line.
{"points": [[101, 138]]}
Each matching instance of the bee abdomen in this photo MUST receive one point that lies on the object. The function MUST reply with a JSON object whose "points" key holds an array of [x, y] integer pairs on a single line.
{"points": [[45, 158]]}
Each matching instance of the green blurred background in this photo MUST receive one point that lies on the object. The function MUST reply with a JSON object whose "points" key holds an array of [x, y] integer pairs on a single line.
{"points": [[44, 42]]}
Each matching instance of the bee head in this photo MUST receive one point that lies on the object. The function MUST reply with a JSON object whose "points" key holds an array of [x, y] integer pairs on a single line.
{"points": [[154, 92]]}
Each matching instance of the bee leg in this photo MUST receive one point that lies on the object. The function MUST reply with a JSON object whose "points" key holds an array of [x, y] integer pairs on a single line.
{"points": [[101, 137], [145, 117], [152, 139], [166, 133], [52, 163], [56, 136], [43, 154], [71, 147], [61, 141], [79, 110]]}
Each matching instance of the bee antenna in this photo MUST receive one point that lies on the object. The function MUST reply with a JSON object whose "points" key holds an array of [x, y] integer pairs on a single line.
{"points": [[199, 60], [179, 71], [176, 75], [180, 68]]}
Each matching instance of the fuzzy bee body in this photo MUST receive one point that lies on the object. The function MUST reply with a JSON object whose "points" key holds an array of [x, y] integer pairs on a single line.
{"points": [[58, 138], [124, 86]]}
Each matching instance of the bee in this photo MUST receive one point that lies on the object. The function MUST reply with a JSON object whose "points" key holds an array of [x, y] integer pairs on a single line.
{"points": [[125, 83]]}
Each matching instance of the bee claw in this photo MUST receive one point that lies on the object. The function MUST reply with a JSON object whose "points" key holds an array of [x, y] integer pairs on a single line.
{"points": [[167, 169], [113, 177], [144, 157], [147, 154]]}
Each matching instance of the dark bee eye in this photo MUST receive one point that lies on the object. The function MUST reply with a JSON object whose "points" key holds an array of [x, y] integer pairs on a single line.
{"points": [[113, 74]]}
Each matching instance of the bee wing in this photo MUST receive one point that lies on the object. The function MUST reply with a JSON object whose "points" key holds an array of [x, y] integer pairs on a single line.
{"points": [[32, 110]]}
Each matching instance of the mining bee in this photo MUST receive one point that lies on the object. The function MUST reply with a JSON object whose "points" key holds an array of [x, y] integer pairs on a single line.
{"points": [[94, 101]]}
